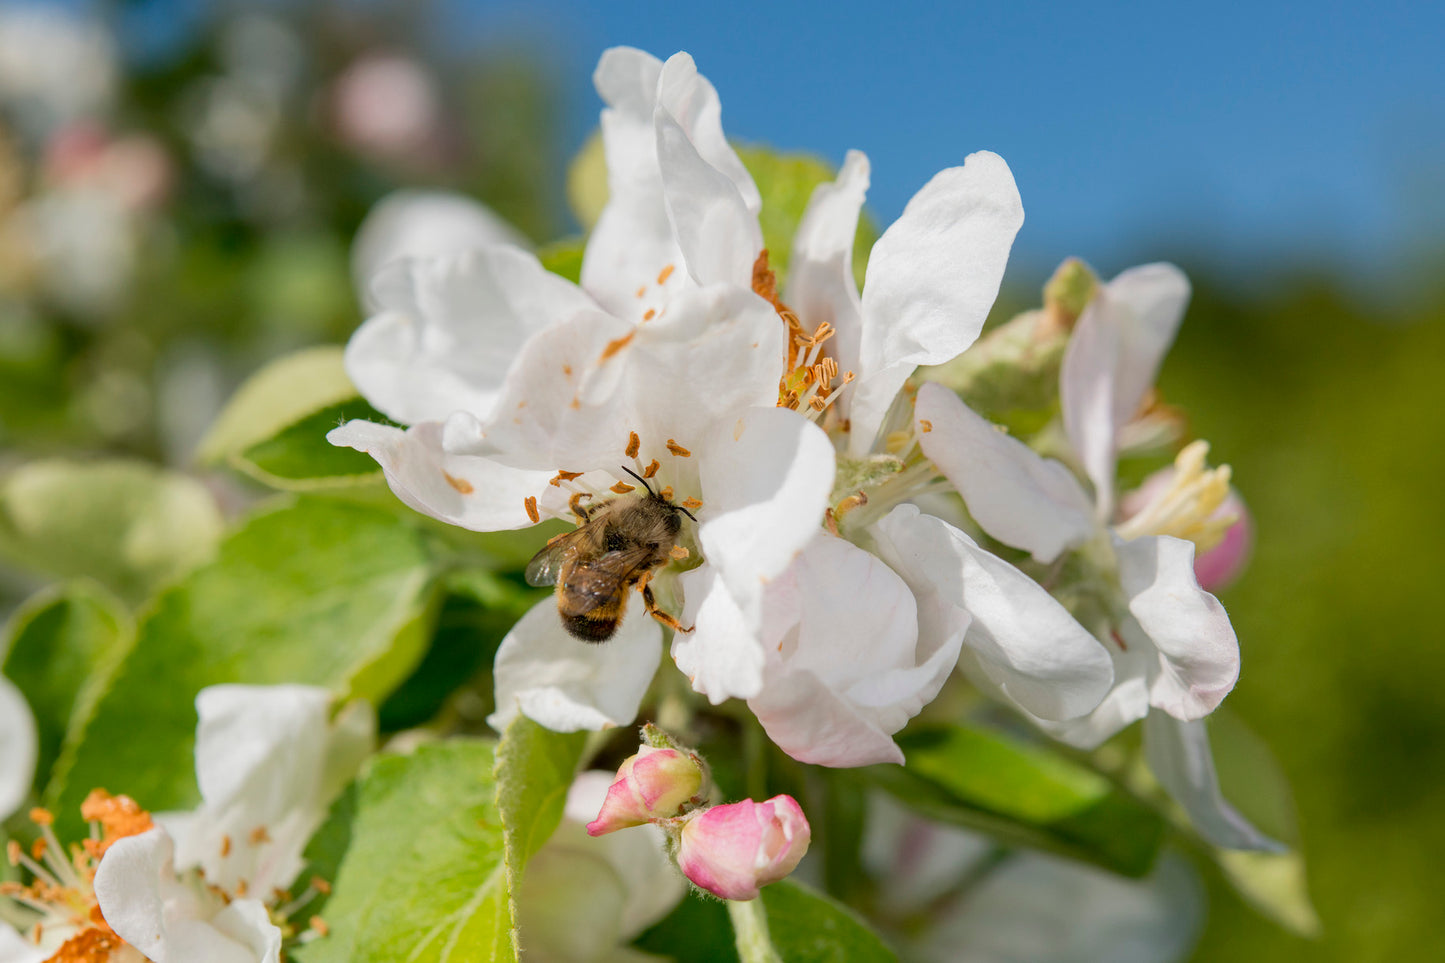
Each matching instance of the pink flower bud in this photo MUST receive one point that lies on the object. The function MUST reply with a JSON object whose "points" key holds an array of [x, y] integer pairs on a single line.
{"points": [[654, 784], [1222, 564], [732, 850]]}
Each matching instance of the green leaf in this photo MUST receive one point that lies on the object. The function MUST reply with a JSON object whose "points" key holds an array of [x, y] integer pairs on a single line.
{"points": [[299, 458], [786, 183], [424, 877], [587, 182], [1251, 779], [319, 592], [61, 646], [564, 258], [1023, 794], [127, 524], [808, 927], [535, 767], [280, 394]]}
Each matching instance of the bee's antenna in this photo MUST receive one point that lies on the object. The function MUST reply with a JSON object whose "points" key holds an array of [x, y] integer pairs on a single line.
{"points": [[641, 479], [685, 512]]}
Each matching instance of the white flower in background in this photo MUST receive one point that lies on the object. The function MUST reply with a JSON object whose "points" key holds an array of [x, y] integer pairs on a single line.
{"points": [[388, 105], [18, 748], [421, 224], [56, 66], [584, 898], [1174, 651], [205, 885], [987, 906]]}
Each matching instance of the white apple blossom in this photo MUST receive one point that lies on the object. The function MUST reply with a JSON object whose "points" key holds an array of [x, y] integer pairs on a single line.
{"points": [[205, 884], [524, 391], [856, 638], [18, 748], [1174, 651]]}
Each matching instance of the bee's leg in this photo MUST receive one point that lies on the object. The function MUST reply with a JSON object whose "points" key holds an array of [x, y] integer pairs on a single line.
{"points": [[578, 509], [650, 604]]}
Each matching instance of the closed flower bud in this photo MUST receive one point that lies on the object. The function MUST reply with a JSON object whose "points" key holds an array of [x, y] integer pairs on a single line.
{"points": [[654, 784], [732, 850]]}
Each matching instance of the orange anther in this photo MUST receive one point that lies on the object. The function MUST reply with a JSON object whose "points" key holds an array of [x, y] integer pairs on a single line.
{"points": [[532, 512]]}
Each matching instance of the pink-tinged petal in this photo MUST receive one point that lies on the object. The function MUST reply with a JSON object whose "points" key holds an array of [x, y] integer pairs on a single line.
{"points": [[722, 656], [1218, 568], [1179, 756], [734, 849], [569, 685], [1020, 639], [820, 271], [18, 748], [931, 280], [766, 477], [467, 490], [720, 238], [848, 661], [423, 224], [1197, 652], [448, 330], [653, 784], [1015, 494], [1112, 359]]}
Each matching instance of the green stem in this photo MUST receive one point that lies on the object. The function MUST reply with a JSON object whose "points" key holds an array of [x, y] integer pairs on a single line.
{"points": [[750, 932]]}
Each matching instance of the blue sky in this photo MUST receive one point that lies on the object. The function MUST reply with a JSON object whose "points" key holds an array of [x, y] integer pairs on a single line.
{"points": [[1266, 131]]}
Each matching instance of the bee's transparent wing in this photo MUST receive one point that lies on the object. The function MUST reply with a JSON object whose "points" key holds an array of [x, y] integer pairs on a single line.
{"points": [[546, 565]]}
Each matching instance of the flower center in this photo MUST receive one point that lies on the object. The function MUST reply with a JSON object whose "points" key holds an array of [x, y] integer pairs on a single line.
{"points": [[811, 379], [57, 910], [1189, 506]]}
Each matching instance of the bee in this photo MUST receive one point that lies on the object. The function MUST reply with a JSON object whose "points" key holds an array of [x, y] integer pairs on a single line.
{"points": [[617, 547]]}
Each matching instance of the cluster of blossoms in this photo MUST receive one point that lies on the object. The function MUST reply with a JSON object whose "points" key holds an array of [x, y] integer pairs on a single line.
{"points": [[209, 884], [855, 528]]}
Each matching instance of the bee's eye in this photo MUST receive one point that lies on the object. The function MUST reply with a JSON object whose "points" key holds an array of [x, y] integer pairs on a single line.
{"points": [[614, 541]]}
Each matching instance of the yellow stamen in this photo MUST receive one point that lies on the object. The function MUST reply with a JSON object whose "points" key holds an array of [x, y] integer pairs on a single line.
{"points": [[1186, 508]]}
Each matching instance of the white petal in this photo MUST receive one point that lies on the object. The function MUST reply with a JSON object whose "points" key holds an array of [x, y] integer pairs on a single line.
{"points": [[722, 657], [720, 238], [1045, 909], [267, 759], [632, 241], [650, 882], [467, 490], [246, 922], [18, 748], [153, 911], [1024, 641], [448, 329], [423, 224], [15, 948], [1126, 703], [580, 388], [693, 101], [1015, 494], [569, 685], [932, 278], [820, 270], [1198, 653], [1111, 360], [766, 478], [847, 663], [1178, 753]]}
